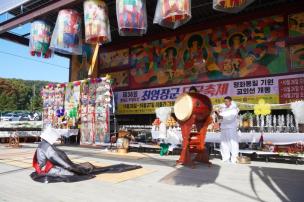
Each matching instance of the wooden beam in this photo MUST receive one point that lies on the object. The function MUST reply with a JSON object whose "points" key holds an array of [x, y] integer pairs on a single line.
{"points": [[93, 64], [15, 38], [37, 12]]}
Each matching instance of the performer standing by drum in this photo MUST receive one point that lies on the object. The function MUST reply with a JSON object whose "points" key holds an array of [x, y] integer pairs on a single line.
{"points": [[228, 115]]}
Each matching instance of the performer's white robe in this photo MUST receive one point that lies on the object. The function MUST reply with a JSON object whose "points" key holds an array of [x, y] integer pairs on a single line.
{"points": [[229, 136]]}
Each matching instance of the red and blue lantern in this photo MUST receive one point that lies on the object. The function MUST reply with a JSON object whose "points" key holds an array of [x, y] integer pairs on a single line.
{"points": [[96, 21], [131, 17], [40, 39], [67, 35], [171, 13]]}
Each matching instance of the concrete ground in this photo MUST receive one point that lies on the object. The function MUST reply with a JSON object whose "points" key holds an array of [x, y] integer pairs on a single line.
{"points": [[258, 181]]}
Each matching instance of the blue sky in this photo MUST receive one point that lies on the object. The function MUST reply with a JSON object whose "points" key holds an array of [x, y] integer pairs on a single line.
{"points": [[16, 62]]}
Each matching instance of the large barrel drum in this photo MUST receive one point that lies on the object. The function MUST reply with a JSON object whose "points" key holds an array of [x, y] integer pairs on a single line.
{"points": [[192, 104]]}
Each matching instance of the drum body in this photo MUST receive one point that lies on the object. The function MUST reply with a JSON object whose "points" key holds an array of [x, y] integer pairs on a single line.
{"points": [[122, 145], [192, 104], [193, 109]]}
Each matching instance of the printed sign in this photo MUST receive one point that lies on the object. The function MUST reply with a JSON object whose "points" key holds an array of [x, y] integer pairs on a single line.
{"points": [[145, 101], [291, 89]]}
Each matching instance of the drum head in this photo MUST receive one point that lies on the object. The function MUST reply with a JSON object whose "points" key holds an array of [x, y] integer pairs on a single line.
{"points": [[183, 107]]}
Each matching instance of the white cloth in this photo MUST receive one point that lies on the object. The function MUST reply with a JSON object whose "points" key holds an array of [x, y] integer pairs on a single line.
{"points": [[162, 131], [230, 116], [163, 113], [229, 144]]}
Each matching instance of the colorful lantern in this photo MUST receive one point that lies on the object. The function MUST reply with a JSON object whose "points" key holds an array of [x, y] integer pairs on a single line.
{"points": [[96, 20], [40, 39], [171, 13], [231, 6], [131, 17], [66, 37]]}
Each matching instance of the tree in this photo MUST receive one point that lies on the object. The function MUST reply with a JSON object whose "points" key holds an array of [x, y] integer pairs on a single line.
{"points": [[17, 94]]}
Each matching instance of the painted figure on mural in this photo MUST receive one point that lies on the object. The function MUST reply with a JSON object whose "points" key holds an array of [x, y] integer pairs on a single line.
{"points": [[168, 66], [234, 57], [149, 65], [296, 24], [297, 56], [250, 66], [139, 60], [253, 48], [195, 57]]}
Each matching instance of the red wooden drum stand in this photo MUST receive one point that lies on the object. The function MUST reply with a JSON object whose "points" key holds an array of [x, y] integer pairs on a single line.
{"points": [[192, 111]]}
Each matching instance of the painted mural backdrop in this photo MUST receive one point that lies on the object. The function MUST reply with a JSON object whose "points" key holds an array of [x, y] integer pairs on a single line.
{"points": [[114, 58], [296, 24], [119, 79], [252, 48], [297, 57]]}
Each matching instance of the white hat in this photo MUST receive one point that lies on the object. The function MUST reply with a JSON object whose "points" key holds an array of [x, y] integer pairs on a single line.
{"points": [[50, 135]]}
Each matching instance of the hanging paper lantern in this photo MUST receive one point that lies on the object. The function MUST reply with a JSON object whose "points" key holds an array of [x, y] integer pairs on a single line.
{"points": [[171, 13], [131, 17], [66, 37], [231, 6], [40, 39], [96, 20]]}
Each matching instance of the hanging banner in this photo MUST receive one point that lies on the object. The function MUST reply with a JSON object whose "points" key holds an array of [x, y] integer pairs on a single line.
{"points": [[145, 101]]}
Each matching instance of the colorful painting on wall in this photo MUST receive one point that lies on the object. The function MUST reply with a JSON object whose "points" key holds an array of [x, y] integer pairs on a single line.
{"points": [[119, 79], [297, 56], [296, 24], [114, 58], [254, 48]]}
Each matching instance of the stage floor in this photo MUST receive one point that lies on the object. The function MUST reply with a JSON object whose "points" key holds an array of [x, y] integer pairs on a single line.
{"points": [[158, 180]]}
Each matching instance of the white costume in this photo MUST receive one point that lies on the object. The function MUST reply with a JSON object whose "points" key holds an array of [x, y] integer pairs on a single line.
{"points": [[163, 114], [229, 136]]}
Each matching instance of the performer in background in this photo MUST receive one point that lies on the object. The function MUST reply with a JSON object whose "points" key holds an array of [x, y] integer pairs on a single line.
{"points": [[228, 115]]}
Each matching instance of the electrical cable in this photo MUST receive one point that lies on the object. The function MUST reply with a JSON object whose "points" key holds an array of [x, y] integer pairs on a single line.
{"points": [[7, 53]]}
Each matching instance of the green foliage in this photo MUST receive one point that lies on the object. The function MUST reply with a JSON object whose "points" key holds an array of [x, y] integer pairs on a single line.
{"points": [[248, 116], [17, 94]]}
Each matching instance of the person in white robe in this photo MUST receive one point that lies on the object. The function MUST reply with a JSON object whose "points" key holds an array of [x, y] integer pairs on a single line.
{"points": [[228, 114]]}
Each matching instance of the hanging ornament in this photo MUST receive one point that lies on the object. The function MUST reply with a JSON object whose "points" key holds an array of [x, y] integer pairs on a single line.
{"points": [[40, 39], [66, 37], [171, 13], [262, 108], [131, 17], [231, 6], [96, 21]]}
